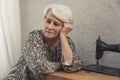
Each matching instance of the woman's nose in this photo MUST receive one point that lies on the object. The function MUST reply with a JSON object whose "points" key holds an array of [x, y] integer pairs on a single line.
{"points": [[51, 25]]}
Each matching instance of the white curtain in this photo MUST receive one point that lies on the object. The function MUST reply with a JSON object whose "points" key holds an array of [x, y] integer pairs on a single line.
{"points": [[10, 35]]}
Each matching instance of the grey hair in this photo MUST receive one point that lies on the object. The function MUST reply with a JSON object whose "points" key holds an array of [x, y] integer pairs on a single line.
{"points": [[60, 11]]}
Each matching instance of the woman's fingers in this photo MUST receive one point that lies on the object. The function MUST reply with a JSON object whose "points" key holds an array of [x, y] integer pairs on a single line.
{"points": [[67, 28]]}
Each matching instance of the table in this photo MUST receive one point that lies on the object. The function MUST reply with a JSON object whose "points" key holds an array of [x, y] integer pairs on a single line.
{"points": [[80, 75]]}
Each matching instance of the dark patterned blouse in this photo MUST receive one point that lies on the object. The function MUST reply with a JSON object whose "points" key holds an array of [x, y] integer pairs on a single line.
{"points": [[37, 60]]}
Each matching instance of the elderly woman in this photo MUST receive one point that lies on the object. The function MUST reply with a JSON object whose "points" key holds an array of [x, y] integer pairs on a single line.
{"points": [[50, 49]]}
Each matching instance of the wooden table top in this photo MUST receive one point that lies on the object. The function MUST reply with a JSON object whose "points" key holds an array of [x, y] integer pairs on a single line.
{"points": [[80, 75]]}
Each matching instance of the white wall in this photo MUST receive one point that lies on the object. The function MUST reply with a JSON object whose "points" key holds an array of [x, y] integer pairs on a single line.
{"points": [[92, 18]]}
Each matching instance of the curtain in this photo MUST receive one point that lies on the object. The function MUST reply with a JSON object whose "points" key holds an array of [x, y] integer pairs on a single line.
{"points": [[10, 35]]}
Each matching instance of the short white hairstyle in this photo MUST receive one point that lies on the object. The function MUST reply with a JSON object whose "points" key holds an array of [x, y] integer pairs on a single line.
{"points": [[60, 11]]}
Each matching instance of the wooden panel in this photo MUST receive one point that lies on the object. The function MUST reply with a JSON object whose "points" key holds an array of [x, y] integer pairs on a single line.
{"points": [[81, 75]]}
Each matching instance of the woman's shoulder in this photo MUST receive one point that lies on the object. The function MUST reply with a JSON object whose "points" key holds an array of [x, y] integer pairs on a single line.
{"points": [[68, 37], [35, 33]]}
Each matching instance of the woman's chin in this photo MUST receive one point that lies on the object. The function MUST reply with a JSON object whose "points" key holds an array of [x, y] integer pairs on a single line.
{"points": [[49, 37]]}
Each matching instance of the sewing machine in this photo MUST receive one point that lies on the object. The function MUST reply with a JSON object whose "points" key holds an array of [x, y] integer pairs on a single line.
{"points": [[100, 48]]}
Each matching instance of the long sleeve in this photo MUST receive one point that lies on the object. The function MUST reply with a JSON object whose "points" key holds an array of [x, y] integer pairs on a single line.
{"points": [[76, 61], [35, 56]]}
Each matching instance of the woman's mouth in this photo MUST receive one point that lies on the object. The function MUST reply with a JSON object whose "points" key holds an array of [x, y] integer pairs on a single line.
{"points": [[49, 32]]}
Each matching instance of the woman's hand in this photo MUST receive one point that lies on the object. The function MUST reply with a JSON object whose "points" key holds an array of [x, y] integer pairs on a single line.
{"points": [[67, 27]]}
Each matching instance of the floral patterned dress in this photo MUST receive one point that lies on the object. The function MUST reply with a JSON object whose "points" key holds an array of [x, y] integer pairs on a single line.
{"points": [[37, 60]]}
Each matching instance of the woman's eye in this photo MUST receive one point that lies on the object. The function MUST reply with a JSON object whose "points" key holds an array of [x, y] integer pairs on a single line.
{"points": [[48, 21], [56, 24]]}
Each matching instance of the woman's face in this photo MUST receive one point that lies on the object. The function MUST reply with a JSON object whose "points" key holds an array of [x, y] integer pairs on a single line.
{"points": [[52, 26]]}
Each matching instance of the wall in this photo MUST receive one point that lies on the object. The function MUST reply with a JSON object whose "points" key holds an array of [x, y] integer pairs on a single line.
{"points": [[92, 18]]}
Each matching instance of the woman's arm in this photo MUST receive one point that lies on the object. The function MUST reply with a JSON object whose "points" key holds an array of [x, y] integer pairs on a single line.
{"points": [[68, 51], [76, 64]]}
